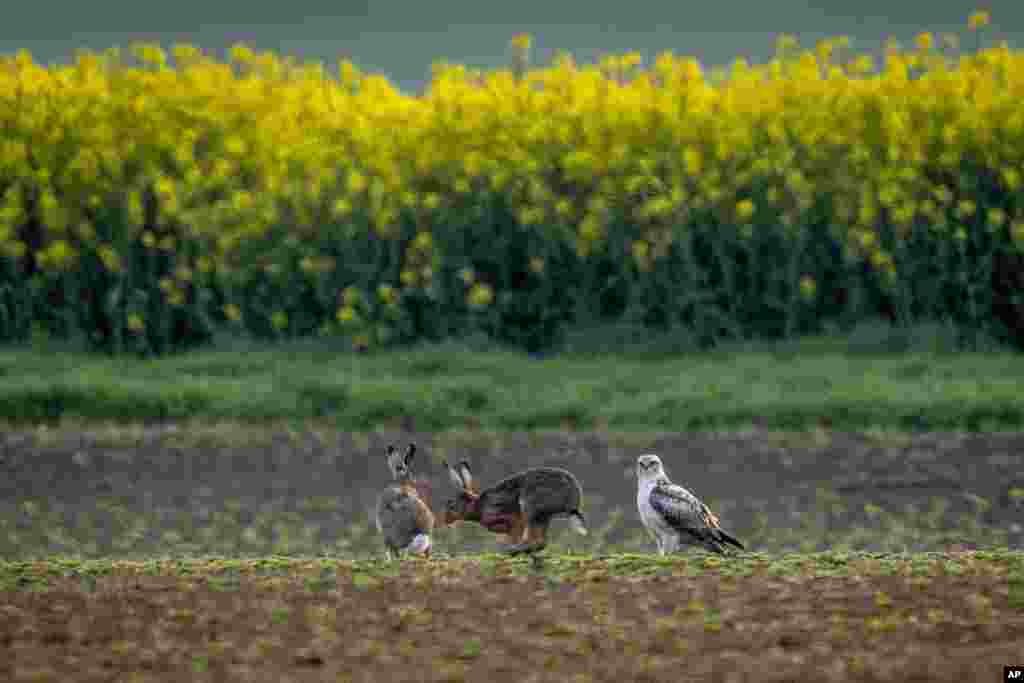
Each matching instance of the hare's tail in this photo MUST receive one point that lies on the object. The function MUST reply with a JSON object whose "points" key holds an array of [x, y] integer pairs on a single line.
{"points": [[577, 522], [420, 545]]}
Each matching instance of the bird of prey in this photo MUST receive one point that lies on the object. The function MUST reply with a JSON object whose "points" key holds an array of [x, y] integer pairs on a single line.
{"points": [[674, 516]]}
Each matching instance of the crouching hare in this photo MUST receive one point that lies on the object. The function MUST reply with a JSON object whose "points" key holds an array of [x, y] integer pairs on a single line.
{"points": [[403, 508], [518, 508]]}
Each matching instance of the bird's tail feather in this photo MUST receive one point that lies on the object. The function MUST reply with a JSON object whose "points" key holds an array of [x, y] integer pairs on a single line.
{"points": [[726, 538], [714, 546]]}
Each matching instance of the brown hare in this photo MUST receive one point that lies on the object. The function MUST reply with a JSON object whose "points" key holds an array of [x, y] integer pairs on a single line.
{"points": [[519, 508], [403, 508]]}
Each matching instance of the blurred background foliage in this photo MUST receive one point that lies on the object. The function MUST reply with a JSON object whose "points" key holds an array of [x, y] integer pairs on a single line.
{"points": [[149, 200]]}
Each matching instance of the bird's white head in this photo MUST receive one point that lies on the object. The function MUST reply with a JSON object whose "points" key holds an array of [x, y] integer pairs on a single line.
{"points": [[648, 467]]}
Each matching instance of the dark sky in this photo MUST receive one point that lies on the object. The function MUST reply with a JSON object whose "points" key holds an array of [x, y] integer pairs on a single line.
{"points": [[402, 37]]}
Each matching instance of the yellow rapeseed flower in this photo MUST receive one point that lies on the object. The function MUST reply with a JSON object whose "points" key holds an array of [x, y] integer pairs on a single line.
{"points": [[58, 256], [423, 241], [744, 209], [641, 249], [341, 208], [185, 53], [521, 41], [656, 207], [135, 322], [480, 295], [407, 277], [346, 314], [563, 208], [924, 41], [692, 161], [978, 19], [230, 148], [431, 201], [242, 54], [996, 217], [356, 182], [1011, 178]]}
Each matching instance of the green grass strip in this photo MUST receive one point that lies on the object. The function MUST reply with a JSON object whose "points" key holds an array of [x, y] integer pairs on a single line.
{"points": [[443, 389]]}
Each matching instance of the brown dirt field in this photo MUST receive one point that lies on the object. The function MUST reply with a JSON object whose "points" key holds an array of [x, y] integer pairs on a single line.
{"points": [[466, 621]]}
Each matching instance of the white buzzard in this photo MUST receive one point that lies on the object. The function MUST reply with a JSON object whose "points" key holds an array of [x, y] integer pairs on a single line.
{"points": [[674, 516]]}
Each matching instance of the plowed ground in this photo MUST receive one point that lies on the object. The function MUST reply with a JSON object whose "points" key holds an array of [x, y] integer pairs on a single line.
{"points": [[952, 617]]}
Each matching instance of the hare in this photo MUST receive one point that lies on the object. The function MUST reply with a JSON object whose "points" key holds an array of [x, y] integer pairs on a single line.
{"points": [[518, 508], [403, 508]]}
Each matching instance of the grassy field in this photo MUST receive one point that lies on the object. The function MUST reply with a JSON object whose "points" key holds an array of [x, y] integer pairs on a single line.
{"points": [[831, 616], [886, 381]]}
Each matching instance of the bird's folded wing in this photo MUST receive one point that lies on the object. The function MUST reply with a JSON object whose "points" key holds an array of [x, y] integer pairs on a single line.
{"points": [[678, 507]]}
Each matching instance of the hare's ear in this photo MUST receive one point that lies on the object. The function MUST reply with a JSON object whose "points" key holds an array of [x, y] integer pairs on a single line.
{"points": [[409, 453], [467, 475], [455, 477]]}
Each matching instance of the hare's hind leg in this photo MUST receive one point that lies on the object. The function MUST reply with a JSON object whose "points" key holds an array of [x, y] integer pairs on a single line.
{"points": [[534, 538], [537, 519]]}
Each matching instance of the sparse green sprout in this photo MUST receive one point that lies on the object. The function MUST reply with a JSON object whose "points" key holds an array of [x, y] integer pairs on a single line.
{"points": [[471, 649], [363, 581], [200, 664]]}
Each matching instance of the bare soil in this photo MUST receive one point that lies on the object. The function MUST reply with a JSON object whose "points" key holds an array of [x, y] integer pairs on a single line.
{"points": [[460, 621]]}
